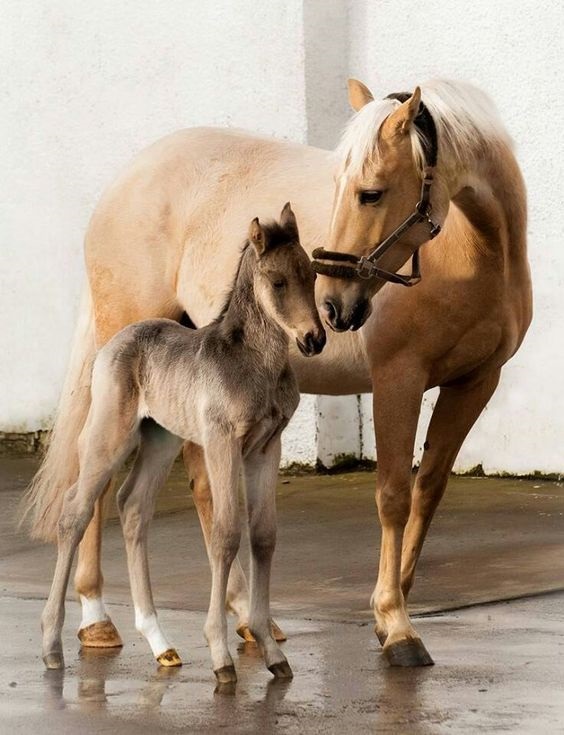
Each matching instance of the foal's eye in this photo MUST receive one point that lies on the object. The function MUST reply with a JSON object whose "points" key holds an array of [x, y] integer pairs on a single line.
{"points": [[279, 283], [370, 196]]}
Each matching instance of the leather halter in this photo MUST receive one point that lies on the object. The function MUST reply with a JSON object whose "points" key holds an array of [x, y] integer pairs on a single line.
{"points": [[348, 265]]}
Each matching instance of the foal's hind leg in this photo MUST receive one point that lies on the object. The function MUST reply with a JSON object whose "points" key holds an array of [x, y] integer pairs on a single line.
{"points": [[102, 448], [112, 314], [136, 501], [261, 472], [457, 409], [237, 588]]}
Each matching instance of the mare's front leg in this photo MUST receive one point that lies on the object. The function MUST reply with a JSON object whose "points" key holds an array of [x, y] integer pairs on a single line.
{"points": [[136, 501], [456, 411], [261, 473], [398, 391], [223, 462]]}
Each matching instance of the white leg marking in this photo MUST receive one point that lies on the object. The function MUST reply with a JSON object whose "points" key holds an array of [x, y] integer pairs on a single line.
{"points": [[149, 627], [93, 611]]}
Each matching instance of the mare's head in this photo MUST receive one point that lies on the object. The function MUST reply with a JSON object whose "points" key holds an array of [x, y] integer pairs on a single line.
{"points": [[284, 281], [378, 185]]}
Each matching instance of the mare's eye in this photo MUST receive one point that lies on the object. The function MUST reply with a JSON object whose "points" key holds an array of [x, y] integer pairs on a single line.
{"points": [[279, 283], [370, 196]]}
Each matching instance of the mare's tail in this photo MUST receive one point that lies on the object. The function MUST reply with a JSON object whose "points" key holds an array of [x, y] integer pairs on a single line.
{"points": [[59, 470]]}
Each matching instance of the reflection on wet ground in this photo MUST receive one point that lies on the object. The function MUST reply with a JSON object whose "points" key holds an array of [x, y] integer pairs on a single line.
{"points": [[498, 667]]}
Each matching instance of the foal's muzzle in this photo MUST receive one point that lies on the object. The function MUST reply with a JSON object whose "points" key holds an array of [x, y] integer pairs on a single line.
{"points": [[313, 343]]}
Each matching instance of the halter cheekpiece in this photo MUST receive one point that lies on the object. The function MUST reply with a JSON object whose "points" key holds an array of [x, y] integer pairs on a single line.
{"points": [[347, 265]]}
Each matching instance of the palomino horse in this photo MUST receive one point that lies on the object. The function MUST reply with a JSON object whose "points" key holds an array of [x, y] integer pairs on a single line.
{"points": [[183, 380], [161, 242]]}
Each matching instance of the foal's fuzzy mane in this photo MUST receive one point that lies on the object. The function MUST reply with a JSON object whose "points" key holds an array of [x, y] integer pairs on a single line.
{"points": [[276, 236], [465, 118]]}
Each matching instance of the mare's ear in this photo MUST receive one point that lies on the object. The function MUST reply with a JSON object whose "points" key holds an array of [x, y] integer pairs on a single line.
{"points": [[288, 221], [257, 236], [402, 119], [359, 94]]}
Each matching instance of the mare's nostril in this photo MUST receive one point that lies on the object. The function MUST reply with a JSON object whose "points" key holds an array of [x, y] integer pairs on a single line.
{"points": [[360, 314], [330, 309]]}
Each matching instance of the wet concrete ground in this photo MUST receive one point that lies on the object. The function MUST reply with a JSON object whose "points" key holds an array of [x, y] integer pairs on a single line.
{"points": [[499, 667]]}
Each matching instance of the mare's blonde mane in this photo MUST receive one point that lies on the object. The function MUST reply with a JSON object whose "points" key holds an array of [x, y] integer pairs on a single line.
{"points": [[465, 117]]}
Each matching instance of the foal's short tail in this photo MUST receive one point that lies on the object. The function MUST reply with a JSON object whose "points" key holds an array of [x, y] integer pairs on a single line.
{"points": [[59, 470]]}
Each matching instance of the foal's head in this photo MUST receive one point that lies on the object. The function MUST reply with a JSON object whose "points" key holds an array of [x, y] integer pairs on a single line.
{"points": [[284, 281]]}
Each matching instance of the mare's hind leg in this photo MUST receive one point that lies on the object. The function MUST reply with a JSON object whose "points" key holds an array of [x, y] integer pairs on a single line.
{"points": [[136, 501], [456, 411], [237, 588], [261, 473], [96, 630], [103, 445]]}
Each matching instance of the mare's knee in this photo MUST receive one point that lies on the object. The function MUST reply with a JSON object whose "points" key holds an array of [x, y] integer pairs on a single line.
{"points": [[394, 501]]}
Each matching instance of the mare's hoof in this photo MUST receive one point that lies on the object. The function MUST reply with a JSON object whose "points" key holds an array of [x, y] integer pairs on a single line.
{"points": [[380, 634], [54, 660], [226, 675], [281, 670], [244, 632], [408, 652], [100, 635], [169, 658]]}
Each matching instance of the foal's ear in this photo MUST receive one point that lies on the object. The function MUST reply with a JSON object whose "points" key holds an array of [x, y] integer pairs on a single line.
{"points": [[288, 221], [402, 118], [257, 236], [359, 94]]}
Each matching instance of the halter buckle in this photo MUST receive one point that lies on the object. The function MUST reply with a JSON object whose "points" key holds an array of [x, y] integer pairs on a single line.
{"points": [[364, 268], [434, 229]]}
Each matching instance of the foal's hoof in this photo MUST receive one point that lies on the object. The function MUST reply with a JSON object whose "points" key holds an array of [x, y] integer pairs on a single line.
{"points": [[281, 670], [244, 632], [226, 675], [54, 660], [408, 652], [169, 658], [100, 635], [278, 634]]}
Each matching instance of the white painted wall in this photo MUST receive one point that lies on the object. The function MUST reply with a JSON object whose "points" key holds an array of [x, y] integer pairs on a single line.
{"points": [[512, 49], [85, 85]]}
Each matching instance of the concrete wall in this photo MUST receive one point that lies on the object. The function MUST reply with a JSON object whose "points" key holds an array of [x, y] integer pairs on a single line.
{"points": [[511, 50], [85, 85]]}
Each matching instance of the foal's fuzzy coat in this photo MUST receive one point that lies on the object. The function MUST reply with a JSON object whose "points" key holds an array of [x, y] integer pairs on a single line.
{"points": [[227, 387]]}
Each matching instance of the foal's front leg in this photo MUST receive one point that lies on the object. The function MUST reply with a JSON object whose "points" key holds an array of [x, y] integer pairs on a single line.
{"points": [[261, 472], [223, 461]]}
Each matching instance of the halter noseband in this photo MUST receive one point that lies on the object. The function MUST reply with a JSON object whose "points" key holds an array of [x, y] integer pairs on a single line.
{"points": [[347, 265]]}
